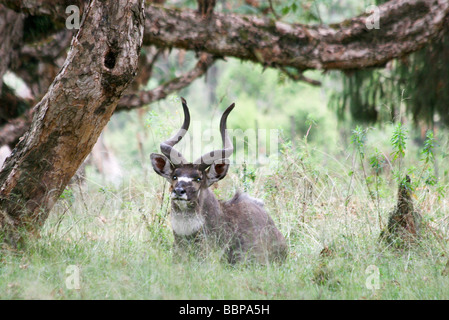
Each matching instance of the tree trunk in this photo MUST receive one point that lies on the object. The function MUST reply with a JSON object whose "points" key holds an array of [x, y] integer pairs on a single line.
{"points": [[68, 120]]}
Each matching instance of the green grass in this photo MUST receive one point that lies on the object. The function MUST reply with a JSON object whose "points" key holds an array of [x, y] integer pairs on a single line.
{"points": [[121, 242]]}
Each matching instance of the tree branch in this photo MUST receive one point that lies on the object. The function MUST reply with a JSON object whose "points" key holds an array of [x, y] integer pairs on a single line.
{"points": [[137, 100], [54, 9], [37, 64], [15, 117], [270, 2], [11, 32], [206, 8], [53, 47], [300, 77], [405, 26], [11, 132]]}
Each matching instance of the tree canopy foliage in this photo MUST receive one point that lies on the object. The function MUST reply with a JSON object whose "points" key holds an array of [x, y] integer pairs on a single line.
{"points": [[419, 81]]}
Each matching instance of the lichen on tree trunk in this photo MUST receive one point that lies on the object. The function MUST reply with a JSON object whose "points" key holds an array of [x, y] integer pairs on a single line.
{"points": [[101, 63]]}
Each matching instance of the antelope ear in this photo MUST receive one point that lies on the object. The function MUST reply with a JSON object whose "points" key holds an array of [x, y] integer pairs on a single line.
{"points": [[161, 165], [216, 172]]}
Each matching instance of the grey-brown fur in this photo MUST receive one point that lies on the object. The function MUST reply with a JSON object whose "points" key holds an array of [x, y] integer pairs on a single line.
{"points": [[241, 227], [254, 234]]}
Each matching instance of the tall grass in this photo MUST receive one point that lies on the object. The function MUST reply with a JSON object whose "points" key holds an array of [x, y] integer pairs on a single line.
{"points": [[121, 242]]}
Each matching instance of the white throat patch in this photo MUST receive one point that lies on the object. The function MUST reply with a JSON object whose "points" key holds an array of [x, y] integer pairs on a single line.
{"points": [[184, 224]]}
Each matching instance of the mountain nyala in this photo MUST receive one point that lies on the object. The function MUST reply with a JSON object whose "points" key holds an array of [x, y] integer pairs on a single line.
{"points": [[240, 227]]}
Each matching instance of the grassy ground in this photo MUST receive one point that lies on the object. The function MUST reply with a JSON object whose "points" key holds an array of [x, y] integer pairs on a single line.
{"points": [[119, 241]]}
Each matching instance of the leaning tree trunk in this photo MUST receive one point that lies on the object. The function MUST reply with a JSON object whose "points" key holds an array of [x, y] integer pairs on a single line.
{"points": [[68, 120]]}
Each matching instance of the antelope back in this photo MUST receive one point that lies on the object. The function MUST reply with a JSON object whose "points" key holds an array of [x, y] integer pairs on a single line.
{"points": [[254, 235]]}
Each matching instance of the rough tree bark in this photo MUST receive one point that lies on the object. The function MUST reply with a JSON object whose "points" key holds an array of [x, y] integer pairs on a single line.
{"points": [[67, 122], [405, 26]]}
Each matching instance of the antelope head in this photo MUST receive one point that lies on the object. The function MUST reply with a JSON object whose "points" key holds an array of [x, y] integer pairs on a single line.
{"points": [[187, 180]]}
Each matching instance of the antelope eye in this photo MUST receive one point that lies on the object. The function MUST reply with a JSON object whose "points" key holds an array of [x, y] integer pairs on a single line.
{"points": [[198, 179], [175, 178]]}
